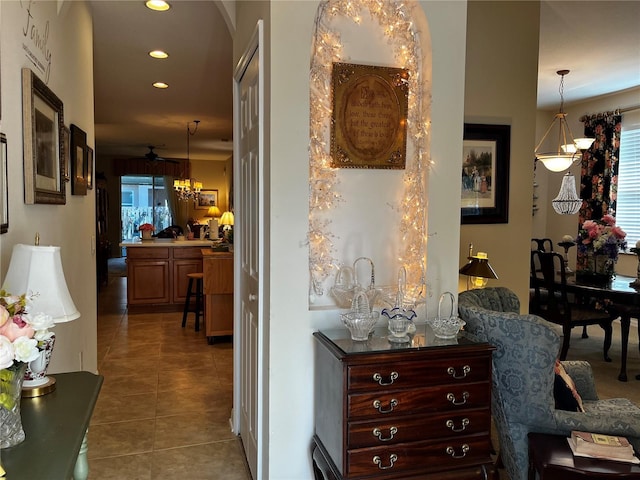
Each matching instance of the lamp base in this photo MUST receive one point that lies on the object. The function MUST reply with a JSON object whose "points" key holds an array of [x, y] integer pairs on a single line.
{"points": [[40, 389]]}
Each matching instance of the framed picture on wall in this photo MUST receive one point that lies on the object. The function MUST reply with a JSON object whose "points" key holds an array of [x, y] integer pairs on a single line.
{"points": [[78, 166], [43, 122], [207, 198], [90, 168], [4, 186], [485, 174]]}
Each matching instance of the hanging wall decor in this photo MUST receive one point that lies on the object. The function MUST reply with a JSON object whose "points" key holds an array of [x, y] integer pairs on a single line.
{"points": [[79, 164], [43, 124], [4, 186], [485, 173], [369, 124]]}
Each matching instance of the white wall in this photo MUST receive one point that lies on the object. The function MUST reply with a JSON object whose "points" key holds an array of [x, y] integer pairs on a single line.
{"points": [[501, 86], [70, 226], [290, 347], [550, 224]]}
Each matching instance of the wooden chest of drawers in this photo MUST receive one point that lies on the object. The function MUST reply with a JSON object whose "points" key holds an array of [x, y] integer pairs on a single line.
{"points": [[386, 411]]}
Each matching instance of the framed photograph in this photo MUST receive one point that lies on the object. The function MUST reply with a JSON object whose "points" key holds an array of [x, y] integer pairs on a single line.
{"points": [[4, 186], [207, 198], [485, 173], [369, 119], [90, 168], [66, 152], [78, 161], [43, 122]]}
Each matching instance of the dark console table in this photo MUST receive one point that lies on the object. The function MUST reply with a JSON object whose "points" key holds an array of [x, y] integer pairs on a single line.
{"points": [[55, 426]]}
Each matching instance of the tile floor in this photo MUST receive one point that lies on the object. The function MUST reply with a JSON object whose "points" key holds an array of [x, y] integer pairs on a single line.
{"points": [[164, 407]]}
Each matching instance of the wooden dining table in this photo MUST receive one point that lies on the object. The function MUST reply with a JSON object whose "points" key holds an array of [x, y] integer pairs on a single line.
{"points": [[626, 301]]}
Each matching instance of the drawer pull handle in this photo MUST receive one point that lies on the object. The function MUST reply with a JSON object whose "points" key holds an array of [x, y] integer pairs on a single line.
{"points": [[378, 378], [452, 398], [451, 451], [463, 425], [378, 433], [377, 404], [465, 371], [392, 459]]}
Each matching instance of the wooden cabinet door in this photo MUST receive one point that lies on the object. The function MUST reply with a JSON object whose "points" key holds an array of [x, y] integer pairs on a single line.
{"points": [[148, 282], [180, 279]]}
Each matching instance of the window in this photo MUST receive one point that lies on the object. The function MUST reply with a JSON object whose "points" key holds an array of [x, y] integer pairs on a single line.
{"points": [[628, 208], [143, 200]]}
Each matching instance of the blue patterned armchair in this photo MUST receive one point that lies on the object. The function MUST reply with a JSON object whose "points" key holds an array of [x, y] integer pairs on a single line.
{"points": [[523, 379]]}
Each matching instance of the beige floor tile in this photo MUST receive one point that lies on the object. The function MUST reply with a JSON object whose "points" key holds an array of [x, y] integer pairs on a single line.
{"points": [[122, 438], [183, 377], [213, 461], [118, 408], [125, 467], [129, 384], [195, 399], [191, 429]]}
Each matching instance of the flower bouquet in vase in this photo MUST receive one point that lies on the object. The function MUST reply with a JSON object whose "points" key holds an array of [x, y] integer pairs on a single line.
{"points": [[599, 242], [22, 336], [146, 230]]}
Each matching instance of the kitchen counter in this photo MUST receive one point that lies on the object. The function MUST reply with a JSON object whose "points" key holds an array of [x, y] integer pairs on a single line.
{"points": [[157, 272], [167, 242]]}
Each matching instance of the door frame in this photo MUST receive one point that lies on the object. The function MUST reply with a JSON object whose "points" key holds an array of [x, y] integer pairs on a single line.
{"points": [[255, 44]]}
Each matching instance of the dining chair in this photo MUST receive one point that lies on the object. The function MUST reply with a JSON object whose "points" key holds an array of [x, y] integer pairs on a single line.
{"points": [[543, 244], [552, 302]]}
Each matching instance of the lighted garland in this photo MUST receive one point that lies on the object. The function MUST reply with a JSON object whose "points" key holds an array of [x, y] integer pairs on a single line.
{"points": [[395, 19]]}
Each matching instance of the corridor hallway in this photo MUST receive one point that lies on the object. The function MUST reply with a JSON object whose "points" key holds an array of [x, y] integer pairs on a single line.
{"points": [[165, 406]]}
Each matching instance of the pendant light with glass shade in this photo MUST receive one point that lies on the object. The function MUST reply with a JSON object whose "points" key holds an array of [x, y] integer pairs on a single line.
{"points": [[567, 202], [567, 147]]}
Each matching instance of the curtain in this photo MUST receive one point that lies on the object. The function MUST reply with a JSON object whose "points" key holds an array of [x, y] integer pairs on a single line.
{"points": [[599, 172], [178, 214]]}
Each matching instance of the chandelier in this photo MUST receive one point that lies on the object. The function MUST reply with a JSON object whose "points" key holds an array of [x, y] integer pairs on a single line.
{"points": [[567, 202], [188, 188], [567, 147]]}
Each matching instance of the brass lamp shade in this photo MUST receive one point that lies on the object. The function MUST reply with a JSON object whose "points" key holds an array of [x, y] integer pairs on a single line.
{"points": [[479, 267]]}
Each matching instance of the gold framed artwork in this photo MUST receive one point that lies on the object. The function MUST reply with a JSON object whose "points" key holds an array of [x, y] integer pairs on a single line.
{"points": [[369, 119], [43, 123]]}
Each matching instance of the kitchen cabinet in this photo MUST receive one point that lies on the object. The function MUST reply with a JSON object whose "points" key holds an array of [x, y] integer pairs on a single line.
{"points": [[218, 293], [157, 273]]}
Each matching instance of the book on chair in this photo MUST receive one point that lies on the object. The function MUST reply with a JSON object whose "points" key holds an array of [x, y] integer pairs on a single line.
{"points": [[598, 445]]}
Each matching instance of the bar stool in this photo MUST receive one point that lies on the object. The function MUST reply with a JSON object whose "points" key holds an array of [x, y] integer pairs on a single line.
{"points": [[198, 276]]}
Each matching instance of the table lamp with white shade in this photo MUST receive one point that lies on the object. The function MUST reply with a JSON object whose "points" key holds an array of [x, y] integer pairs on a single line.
{"points": [[37, 271]]}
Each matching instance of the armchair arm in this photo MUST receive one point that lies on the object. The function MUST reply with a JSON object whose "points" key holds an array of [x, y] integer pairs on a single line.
{"points": [[582, 375], [620, 418]]}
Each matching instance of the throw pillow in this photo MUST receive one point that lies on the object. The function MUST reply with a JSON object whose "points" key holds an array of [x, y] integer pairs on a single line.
{"points": [[564, 391]]}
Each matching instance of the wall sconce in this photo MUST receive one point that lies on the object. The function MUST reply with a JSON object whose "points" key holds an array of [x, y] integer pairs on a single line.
{"points": [[568, 147], [37, 270], [478, 270]]}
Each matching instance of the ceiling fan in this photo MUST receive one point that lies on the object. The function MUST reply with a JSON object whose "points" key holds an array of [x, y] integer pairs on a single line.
{"points": [[154, 157]]}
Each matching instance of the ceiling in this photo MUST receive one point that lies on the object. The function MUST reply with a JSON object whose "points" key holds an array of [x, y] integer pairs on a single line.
{"points": [[599, 41]]}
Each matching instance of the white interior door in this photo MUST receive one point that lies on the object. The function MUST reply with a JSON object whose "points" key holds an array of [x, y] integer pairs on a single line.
{"points": [[249, 254]]}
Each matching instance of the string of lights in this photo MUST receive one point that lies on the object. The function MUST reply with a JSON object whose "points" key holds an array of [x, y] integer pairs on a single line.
{"points": [[395, 21]]}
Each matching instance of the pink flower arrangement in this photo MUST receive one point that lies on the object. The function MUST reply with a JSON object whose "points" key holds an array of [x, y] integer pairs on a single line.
{"points": [[602, 237], [20, 332], [146, 227]]}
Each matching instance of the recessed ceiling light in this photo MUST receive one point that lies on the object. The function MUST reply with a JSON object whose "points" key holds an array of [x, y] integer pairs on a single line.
{"points": [[157, 5], [158, 54], [160, 85]]}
